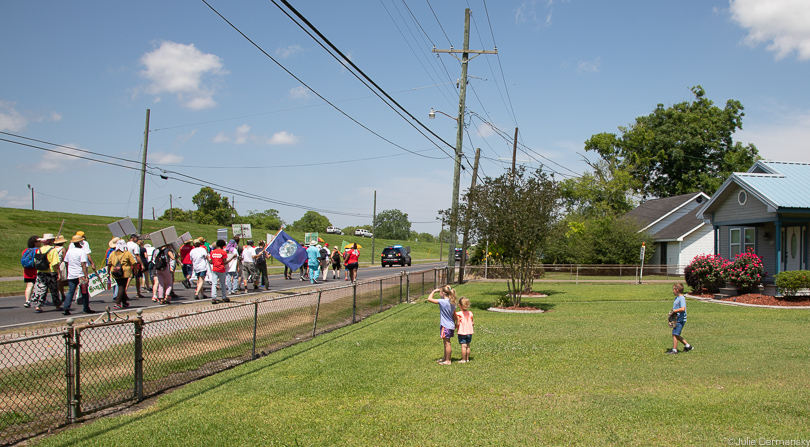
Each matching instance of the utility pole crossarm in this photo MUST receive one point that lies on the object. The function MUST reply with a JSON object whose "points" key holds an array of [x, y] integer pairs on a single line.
{"points": [[435, 50]]}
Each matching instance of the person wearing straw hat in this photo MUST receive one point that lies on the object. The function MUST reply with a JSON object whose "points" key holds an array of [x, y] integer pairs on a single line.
{"points": [[46, 277], [86, 248], [77, 261], [61, 283]]}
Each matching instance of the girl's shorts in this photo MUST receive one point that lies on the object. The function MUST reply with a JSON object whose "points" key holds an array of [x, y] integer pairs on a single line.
{"points": [[446, 333], [464, 339]]}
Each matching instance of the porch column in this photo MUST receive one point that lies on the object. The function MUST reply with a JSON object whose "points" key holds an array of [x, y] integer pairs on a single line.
{"points": [[778, 243]]}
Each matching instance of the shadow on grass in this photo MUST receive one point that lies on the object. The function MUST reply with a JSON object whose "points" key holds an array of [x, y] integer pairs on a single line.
{"points": [[314, 344]]}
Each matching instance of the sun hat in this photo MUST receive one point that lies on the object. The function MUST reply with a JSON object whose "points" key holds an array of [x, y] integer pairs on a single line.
{"points": [[76, 238], [59, 240], [81, 234], [313, 243], [113, 241], [47, 237]]}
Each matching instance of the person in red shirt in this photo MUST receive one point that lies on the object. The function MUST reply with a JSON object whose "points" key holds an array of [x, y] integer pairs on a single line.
{"points": [[188, 267], [219, 266], [352, 261], [30, 273]]}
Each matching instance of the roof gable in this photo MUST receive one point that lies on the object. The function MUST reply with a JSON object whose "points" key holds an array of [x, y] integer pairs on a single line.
{"points": [[654, 211]]}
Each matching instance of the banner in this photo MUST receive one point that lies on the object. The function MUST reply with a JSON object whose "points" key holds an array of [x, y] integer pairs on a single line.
{"points": [[98, 281], [287, 250], [243, 230]]}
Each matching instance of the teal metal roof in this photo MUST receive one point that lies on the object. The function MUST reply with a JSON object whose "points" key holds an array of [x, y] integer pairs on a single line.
{"points": [[779, 184]]}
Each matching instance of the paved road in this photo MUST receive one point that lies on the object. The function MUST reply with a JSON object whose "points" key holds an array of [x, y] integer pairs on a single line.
{"points": [[14, 315]]}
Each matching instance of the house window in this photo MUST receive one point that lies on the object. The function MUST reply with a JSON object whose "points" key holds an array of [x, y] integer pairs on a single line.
{"points": [[742, 197], [741, 240]]}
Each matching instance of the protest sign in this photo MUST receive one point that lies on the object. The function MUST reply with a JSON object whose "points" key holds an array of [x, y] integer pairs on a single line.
{"points": [[98, 281], [243, 230], [222, 233], [163, 237], [122, 228]]}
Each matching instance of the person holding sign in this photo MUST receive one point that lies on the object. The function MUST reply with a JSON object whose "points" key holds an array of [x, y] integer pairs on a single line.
{"points": [[120, 264]]}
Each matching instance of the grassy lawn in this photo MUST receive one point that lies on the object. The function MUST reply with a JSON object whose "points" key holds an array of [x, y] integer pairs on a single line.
{"points": [[590, 371]]}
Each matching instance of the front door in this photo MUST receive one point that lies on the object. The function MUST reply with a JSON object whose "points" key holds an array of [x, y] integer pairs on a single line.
{"points": [[793, 248]]}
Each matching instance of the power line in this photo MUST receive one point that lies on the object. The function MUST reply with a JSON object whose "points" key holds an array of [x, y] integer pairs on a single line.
{"points": [[439, 22]]}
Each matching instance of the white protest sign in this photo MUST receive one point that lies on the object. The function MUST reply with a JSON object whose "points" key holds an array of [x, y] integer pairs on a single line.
{"points": [[163, 237], [222, 233], [98, 281], [122, 228], [243, 230]]}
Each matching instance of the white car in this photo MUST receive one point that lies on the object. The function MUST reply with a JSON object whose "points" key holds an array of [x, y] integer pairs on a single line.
{"points": [[333, 230], [363, 232]]}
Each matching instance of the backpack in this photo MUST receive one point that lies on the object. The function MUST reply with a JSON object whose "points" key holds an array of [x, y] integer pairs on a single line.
{"points": [[41, 261], [324, 254], [28, 258], [160, 260]]}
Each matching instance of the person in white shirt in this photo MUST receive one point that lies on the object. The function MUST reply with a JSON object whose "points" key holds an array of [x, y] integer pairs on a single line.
{"points": [[86, 248], [76, 260], [199, 262], [249, 271], [232, 281]]}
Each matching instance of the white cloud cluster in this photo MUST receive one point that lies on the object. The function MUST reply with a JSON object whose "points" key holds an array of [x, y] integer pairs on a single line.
{"points": [[163, 158], [299, 92], [184, 71], [783, 24], [11, 120], [527, 13], [242, 135], [288, 51], [590, 66]]}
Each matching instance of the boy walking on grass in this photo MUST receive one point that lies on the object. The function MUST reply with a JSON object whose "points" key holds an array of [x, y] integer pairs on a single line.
{"points": [[679, 308]]}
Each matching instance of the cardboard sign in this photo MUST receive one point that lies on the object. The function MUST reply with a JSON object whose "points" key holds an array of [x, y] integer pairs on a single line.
{"points": [[243, 230], [222, 233], [98, 281], [122, 228], [181, 240], [163, 237], [310, 237]]}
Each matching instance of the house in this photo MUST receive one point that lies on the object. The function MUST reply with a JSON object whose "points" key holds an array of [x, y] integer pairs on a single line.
{"points": [[766, 209], [678, 234]]}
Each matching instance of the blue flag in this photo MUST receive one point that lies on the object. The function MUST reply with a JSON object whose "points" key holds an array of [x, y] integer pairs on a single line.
{"points": [[287, 250]]}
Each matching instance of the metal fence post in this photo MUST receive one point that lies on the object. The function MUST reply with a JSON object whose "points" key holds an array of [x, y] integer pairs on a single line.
{"points": [[354, 302], [255, 327], [423, 283], [317, 309], [401, 274], [139, 355], [77, 373], [435, 278], [72, 411], [381, 281], [407, 287]]}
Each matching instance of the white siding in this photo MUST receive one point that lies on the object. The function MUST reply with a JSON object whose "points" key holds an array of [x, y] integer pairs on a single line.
{"points": [[700, 242]]}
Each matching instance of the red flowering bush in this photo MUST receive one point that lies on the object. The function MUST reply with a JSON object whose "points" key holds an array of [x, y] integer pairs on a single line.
{"points": [[745, 272], [705, 272]]}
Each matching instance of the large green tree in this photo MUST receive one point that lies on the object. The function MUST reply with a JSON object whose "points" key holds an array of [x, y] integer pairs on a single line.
{"points": [[212, 208], [515, 213], [683, 148], [604, 191], [268, 219], [312, 222], [393, 224]]}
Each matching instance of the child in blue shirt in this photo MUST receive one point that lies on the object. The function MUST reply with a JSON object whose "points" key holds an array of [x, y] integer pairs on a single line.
{"points": [[679, 307], [447, 310]]}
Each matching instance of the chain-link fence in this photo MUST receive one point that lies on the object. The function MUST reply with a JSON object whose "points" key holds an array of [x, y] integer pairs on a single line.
{"points": [[54, 379]]}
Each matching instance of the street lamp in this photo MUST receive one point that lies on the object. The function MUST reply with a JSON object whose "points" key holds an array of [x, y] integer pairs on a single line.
{"points": [[451, 256], [32, 196]]}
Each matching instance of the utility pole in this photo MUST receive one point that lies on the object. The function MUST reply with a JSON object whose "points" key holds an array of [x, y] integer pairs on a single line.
{"points": [[465, 53], [514, 152], [171, 206], [373, 227], [463, 261], [143, 173], [32, 196]]}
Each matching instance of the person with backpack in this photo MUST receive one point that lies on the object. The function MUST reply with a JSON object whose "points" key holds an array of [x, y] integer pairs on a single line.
{"points": [[120, 264], [46, 261], [324, 258], [77, 263], [261, 265], [29, 269], [161, 260]]}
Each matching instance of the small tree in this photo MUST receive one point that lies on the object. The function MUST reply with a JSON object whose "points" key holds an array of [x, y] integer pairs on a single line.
{"points": [[311, 222], [515, 212], [393, 224]]}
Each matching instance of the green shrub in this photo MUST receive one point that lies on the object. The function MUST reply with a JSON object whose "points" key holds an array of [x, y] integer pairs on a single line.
{"points": [[790, 282]]}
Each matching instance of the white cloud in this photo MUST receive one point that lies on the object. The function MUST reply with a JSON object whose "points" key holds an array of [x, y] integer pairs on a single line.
{"points": [[184, 71], [527, 12], [14, 201], [243, 135], [10, 119], [485, 131], [163, 158], [590, 66], [783, 24], [283, 137], [55, 162], [299, 92], [186, 136], [290, 50]]}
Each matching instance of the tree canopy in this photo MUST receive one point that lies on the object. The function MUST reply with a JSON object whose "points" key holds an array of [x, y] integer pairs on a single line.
{"points": [[268, 219], [312, 222], [393, 224], [687, 147], [604, 192], [212, 208]]}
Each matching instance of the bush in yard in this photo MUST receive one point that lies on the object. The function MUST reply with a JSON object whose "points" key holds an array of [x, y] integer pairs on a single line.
{"points": [[789, 283], [745, 272], [706, 273]]}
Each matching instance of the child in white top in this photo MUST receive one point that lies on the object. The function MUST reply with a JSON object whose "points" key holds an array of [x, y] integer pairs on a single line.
{"points": [[447, 308]]}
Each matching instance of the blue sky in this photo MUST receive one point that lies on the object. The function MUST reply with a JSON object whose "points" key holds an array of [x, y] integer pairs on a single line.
{"points": [[82, 74]]}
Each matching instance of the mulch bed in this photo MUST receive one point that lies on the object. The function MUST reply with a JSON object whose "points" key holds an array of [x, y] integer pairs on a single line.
{"points": [[763, 300]]}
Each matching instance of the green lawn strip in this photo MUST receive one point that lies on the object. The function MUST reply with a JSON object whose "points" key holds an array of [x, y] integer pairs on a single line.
{"points": [[586, 372]]}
